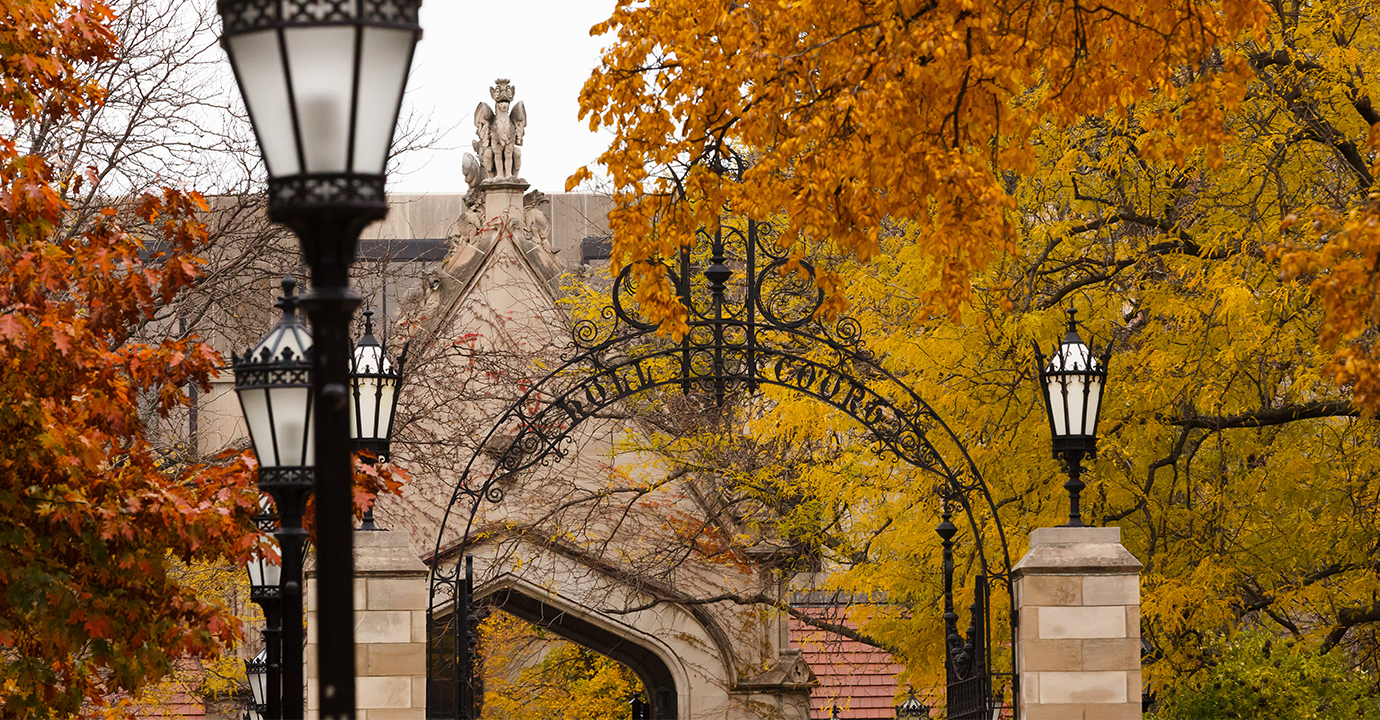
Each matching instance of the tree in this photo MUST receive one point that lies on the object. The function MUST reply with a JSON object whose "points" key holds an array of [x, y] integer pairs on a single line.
{"points": [[1256, 675], [92, 605], [1240, 474], [840, 114], [1340, 253], [170, 115], [218, 681], [529, 675]]}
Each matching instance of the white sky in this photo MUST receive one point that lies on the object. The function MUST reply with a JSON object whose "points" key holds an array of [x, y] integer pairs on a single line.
{"points": [[542, 46]]}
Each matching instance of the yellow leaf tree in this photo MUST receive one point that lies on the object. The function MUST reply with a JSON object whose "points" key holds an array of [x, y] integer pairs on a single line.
{"points": [[530, 674], [1148, 173]]}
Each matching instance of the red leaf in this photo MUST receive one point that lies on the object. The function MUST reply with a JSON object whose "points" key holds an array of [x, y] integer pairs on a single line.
{"points": [[12, 330]]}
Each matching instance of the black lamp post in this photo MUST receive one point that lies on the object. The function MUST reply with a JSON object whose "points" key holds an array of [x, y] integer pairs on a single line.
{"points": [[323, 82], [1072, 382], [257, 672], [374, 384], [273, 382], [911, 707], [266, 590], [639, 708]]}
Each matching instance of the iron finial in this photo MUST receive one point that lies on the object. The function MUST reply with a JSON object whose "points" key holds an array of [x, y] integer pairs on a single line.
{"points": [[288, 302], [368, 340], [1072, 334]]}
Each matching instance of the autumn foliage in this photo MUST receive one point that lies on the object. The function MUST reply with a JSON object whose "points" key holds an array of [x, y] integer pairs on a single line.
{"points": [[95, 514], [1338, 252], [835, 115], [1197, 180], [529, 674]]}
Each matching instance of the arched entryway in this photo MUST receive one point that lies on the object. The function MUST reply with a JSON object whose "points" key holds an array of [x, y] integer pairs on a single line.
{"points": [[622, 644], [764, 332]]}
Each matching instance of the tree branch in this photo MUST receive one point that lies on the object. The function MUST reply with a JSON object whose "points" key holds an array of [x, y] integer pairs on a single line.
{"points": [[1268, 416], [1348, 618]]}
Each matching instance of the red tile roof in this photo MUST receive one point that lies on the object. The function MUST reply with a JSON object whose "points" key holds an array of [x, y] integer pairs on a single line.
{"points": [[858, 678]]}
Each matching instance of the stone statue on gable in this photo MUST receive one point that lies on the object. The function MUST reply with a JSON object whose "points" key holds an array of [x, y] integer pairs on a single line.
{"points": [[500, 130]]}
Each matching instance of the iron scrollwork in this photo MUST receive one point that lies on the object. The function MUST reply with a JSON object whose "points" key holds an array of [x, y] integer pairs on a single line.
{"points": [[766, 330]]}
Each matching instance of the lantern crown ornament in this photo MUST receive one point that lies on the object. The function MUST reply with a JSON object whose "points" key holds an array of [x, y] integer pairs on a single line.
{"points": [[1071, 381], [374, 383], [273, 382], [911, 707]]}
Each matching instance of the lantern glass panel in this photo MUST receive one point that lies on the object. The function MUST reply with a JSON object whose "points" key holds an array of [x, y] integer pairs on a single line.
{"points": [[290, 342], [369, 358], [376, 387], [387, 388], [1093, 404], [1071, 400], [385, 56], [292, 421], [254, 403], [264, 572], [257, 672], [279, 420], [321, 61], [364, 414], [259, 68]]}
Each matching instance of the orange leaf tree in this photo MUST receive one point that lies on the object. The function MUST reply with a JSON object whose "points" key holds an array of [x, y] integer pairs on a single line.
{"points": [[1339, 254], [94, 519], [836, 114]]}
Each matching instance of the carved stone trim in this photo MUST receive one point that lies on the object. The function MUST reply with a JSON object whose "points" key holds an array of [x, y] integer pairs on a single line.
{"points": [[791, 672]]}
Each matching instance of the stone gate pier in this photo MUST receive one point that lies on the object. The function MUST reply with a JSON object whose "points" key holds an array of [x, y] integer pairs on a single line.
{"points": [[390, 629], [1078, 595]]}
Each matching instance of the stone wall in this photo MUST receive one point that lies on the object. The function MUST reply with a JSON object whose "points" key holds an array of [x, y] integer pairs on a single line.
{"points": [[390, 629]]}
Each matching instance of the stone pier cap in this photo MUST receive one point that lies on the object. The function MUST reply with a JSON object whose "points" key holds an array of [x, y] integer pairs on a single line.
{"points": [[1077, 551]]}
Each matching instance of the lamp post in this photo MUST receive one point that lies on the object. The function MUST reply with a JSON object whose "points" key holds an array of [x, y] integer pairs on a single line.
{"points": [[1071, 382], [323, 82], [911, 707], [638, 707], [374, 385], [265, 589], [273, 382], [257, 671]]}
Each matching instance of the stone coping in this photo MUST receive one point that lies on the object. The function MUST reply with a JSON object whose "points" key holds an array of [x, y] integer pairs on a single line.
{"points": [[495, 183], [381, 553], [1076, 551]]}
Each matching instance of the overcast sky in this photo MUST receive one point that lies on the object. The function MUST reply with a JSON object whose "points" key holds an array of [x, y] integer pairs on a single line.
{"points": [[542, 46]]}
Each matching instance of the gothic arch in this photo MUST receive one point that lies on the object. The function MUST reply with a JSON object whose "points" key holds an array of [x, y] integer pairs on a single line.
{"points": [[651, 659]]}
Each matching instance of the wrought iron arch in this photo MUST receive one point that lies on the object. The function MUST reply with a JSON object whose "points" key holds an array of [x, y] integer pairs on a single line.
{"points": [[762, 332]]}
